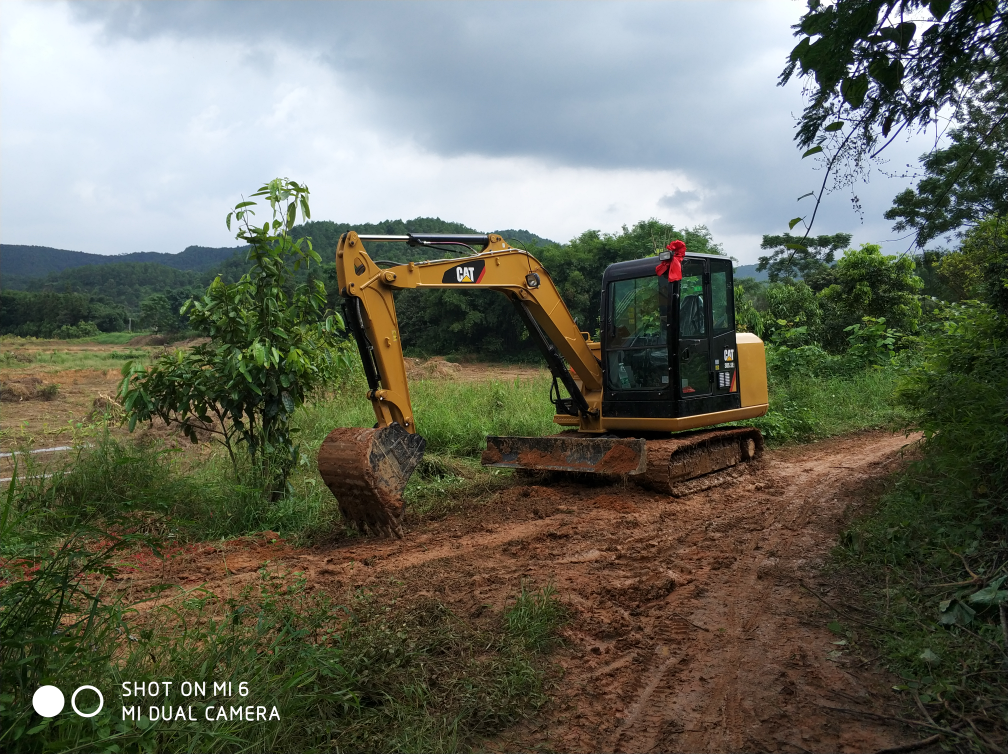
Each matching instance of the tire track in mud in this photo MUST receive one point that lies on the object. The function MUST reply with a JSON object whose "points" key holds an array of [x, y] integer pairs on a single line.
{"points": [[689, 629], [720, 717]]}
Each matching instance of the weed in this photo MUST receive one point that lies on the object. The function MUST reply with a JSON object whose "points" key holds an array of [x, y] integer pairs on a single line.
{"points": [[49, 391], [534, 618]]}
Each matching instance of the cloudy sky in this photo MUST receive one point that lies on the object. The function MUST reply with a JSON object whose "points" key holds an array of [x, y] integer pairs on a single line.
{"points": [[136, 126]]}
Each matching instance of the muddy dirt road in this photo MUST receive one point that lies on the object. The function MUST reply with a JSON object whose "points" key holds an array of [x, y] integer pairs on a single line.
{"points": [[692, 624]]}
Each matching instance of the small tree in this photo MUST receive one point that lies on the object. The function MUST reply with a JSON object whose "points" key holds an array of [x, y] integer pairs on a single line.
{"points": [[271, 344], [871, 284], [792, 257], [978, 269]]}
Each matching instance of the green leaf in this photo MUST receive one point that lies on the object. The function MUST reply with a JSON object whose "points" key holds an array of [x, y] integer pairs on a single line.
{"points": [[799, 50], [239, 205], [986, 11], [991, 594], [854, 90], [796, 246], [834, 126], [803, 196], [952, 612], [929, 657], [814, 150], [794, 221], [836, 627], [939, 8]]}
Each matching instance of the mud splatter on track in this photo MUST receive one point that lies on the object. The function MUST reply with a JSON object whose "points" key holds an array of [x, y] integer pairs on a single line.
{"points": [[690, 630]]}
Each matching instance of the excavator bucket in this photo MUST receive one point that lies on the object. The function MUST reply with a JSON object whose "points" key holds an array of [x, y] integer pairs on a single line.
{"points": [[367, 470]]}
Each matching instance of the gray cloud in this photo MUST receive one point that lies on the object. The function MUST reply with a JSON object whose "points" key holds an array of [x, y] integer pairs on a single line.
{"points": [[678, 199], [679, 87], [657, 86]]}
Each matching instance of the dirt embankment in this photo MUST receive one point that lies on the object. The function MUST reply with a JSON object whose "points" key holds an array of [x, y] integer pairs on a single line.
{"points": [[692, 624]]}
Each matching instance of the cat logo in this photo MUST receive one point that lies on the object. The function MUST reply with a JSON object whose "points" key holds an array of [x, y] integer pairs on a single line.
{"points": [[465, 273]]}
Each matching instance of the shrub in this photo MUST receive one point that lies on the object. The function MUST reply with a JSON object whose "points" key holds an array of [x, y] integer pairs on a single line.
{"points": [[268, 348], [875, 285]]}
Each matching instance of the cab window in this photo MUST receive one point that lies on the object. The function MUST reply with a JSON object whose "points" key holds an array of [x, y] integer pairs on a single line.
{"points": [[637, 355], [722, 307]]}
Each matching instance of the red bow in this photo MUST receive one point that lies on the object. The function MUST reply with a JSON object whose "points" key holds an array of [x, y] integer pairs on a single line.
{"points": [[674, 265]]}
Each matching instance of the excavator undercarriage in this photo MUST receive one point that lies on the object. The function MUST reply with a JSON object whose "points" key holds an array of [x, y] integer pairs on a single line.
{"points": [[667, 363]]}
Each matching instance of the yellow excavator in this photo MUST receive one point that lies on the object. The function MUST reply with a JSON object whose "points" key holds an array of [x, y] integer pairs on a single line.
{"points": [[668, 361]]}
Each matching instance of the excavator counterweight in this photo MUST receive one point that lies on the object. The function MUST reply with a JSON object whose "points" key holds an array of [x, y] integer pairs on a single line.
{"points": [[637, 404]]}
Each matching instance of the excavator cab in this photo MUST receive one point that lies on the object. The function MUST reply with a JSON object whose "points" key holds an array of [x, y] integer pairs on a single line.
{"points": [[668, 348]]}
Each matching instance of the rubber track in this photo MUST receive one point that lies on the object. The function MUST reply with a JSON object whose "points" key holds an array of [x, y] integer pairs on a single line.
{"points": [[694, 461]]}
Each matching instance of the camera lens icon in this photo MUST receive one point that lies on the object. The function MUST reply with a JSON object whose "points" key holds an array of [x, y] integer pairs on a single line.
{"points": [[49, 701]]}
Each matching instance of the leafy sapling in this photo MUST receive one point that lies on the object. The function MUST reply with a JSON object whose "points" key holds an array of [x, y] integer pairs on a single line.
{"points": [[271, 344]]}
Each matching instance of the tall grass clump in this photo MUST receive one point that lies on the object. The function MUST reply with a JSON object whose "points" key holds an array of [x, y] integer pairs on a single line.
{"points": [[54, 627], [932, 560], [157, 489]]}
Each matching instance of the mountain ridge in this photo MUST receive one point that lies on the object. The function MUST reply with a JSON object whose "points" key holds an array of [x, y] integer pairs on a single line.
{"points": [[31, 261]]}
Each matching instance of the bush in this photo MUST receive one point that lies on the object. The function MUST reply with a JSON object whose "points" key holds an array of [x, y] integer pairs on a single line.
{"points": [[941, 536], [874, 285]]}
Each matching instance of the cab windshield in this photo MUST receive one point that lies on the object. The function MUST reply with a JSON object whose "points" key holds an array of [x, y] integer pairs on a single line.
{"points": [[637, 355]]}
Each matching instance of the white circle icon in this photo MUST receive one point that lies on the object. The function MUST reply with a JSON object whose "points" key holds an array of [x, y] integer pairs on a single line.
{"points": [[73, 701], [48, 701]]}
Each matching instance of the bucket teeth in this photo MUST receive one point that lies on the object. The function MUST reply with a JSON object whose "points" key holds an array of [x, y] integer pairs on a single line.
{"points": [[367, 470]]}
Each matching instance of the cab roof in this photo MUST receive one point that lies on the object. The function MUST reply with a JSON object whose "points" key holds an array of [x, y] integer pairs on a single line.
{"points": [[638, 268]]}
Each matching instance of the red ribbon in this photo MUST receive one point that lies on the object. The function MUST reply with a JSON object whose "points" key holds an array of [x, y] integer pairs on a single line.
{"points": [[674, 265]]}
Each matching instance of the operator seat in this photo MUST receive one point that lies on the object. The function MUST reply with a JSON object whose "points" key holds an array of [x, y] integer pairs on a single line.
{"points": [[691, 317]]}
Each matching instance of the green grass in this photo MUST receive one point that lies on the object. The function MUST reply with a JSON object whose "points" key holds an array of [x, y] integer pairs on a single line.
{"points": [[105, 338], [925, 571], [929, 565], [114, 338], [804, 408], [454, 417], [61, 359], [174, 495]]}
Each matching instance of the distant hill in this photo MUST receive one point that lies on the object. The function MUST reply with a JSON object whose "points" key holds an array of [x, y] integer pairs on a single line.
{"points": [[524, 237], [749, 271], [19, 261]]}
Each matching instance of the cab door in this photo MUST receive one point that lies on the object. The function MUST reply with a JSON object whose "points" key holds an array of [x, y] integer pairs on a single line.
{"points": [[725, 382], [707, 356], [694, 346]]}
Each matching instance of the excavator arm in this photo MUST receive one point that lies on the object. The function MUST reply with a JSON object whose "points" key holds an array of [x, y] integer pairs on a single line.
{"points": [[367, 469], [367, 292]]}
